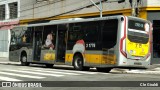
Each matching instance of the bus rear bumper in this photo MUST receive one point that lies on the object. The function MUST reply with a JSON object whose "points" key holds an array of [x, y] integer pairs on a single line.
{"points": [[130, 63], [132, 67]]}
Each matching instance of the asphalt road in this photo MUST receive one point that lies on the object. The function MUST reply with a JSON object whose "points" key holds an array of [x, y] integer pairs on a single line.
{"points": [[39, 73]]}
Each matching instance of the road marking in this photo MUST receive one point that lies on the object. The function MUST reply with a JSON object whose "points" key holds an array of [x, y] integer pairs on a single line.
{"points": [[21, 75], [8, 79], [30, 72], [53, 72], [70, 71]]}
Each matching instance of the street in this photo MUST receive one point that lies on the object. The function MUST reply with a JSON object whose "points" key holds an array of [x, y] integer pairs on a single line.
{"points": [[34, 72]]}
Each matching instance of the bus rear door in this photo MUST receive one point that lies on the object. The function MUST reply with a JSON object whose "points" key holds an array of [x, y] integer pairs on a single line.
{"points": [[61, 43], [37, 44]]}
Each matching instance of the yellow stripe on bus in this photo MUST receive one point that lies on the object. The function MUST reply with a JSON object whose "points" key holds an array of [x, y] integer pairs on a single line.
{"points": [[137, 49], [95, 58], [49, 56], [69, 57]]}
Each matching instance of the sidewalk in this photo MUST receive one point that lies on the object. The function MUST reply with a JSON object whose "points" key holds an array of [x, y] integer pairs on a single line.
{"points": [[4, 60], [152, 71]]}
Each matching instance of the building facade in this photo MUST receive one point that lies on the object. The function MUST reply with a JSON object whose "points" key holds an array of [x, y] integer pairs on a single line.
{"points": [[9, 15], [34, 9]]}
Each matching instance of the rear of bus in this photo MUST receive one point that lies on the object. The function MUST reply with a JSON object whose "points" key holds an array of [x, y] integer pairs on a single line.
{"points": [[135, 43]]}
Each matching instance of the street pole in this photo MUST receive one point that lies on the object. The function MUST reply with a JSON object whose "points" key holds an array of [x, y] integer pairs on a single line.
{"points": [[133, 7], [99, 8]]}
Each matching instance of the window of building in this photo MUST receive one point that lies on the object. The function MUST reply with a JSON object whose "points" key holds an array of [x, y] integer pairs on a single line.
{"points": [[2, 12], [3, 41], [13, 9]]}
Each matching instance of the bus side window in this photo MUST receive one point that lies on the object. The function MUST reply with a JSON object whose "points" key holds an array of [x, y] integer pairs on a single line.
{"points": [[49, 41], [13, 37], [109, 33], [91, 31], [74, 32], [49, 37], [27, 37]]}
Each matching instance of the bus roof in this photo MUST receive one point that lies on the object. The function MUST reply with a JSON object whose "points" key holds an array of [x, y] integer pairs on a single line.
{"points": [[75, 20]]}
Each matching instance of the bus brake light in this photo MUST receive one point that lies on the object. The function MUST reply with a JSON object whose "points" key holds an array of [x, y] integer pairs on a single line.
{"points": [[122, 39]]}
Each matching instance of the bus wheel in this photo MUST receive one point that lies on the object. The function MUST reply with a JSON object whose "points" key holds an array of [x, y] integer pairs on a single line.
{"points": [[107, 70], [49, 65], [24, 60], [78, 63]]}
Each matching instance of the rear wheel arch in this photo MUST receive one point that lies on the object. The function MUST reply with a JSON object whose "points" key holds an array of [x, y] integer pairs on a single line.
{"points": [[23, 58], [77, 54], [78, 62], [23, 53]]}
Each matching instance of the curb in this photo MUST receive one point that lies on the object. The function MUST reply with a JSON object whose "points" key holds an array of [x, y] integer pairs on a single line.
{"points": [[6, 61], [118, 70], [144, 72], [152, 71], [10, 63]]}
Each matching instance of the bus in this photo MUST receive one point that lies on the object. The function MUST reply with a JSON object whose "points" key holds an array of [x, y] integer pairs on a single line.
{"points": [[102, 43]]}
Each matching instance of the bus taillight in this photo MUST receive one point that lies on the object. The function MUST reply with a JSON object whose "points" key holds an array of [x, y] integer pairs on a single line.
{"points": [[121, 47], [150, 40], [123, 40]]}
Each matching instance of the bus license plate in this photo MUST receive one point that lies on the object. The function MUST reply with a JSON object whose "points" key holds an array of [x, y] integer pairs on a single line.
{"points": [[137, 63]]}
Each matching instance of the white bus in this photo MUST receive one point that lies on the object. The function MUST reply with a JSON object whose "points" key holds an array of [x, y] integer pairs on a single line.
{"points": [[103, 43]]}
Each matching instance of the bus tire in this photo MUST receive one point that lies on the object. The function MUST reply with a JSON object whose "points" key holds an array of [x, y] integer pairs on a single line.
{"points": [[24, 60], [78, 63], [49, 65], [107, 70], [86, 68]]}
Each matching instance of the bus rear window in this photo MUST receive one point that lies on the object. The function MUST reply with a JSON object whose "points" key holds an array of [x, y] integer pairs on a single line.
{"points": [[139, 36]]}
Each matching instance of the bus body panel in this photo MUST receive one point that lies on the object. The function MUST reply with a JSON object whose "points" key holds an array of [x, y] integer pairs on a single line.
{"points": [[130, 60], [137, 39], [48, 56], [94, 58], [15, 55], [124, 62], [104, 43]]}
